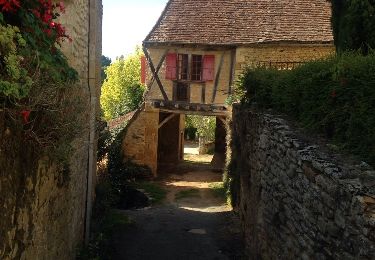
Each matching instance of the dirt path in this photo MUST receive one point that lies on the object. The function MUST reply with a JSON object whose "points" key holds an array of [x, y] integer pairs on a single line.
{"points": [[193, 222]]}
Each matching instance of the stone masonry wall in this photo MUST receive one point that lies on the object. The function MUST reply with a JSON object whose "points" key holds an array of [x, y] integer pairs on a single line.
{"points": [[43, 213], [250, 56], [295, 198], [140, 143]]}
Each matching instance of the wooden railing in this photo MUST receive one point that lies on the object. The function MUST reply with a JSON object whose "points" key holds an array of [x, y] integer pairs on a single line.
{"points": [[279, 65]]}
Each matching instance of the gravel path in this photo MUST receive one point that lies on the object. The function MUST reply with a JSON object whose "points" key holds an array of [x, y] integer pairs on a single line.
{"points": [[195, 226]]}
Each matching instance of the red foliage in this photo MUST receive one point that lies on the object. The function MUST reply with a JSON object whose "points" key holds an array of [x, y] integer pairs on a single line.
{"points": [[9, 5], [45, 11]]}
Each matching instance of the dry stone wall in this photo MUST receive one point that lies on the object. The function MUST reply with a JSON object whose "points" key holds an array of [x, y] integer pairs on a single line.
{"points": [[296, 199]]}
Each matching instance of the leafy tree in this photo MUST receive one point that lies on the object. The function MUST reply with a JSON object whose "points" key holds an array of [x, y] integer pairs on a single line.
{"points": [[353, 23], [205, 126], [105, 61], [122, 91]]}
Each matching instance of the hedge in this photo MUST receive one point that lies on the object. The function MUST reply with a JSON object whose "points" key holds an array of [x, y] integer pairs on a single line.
{"points": [[334, 97], [353, 24]]}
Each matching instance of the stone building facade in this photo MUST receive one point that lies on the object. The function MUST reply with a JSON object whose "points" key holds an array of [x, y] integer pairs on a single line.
{"points": [[198, 49], [42, 215]]}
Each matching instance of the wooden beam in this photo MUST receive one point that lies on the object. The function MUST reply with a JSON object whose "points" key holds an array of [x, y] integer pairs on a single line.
{"points": [[222, 119], [232, 67], [190, 112], [203, 97], [158, 68], [156, 76], [217, 78], [167, 119]]}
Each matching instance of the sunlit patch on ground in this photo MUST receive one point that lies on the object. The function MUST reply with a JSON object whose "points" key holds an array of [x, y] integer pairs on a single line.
{"points": [[197, 187], [191, 154]]}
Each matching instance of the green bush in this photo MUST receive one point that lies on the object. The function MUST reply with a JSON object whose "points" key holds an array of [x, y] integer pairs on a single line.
{"points": [[334, 97], [353, 24]]}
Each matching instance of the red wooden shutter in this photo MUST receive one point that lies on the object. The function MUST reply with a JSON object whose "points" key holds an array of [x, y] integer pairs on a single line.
{"points": [[171, 68], [208, 67], [143, 70]]}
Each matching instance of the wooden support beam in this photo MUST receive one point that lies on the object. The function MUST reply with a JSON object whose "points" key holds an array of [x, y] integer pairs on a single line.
{"points": [[167, 119], [158, 68], [222, 119], [217, 78], [192, 112], [203, 97], [232, 71], [155, 74]]}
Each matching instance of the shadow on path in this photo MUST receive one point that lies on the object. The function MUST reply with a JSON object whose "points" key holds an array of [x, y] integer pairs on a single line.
{"points": [[192, 223]]}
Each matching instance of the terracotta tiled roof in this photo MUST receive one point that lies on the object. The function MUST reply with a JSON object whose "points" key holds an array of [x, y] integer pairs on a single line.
{"points": [[243, 22]]}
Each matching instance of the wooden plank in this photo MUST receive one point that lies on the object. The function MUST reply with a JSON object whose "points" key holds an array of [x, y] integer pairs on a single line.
{"points": [[156, 76], [217, 78], [167, 119], [232, 66]]}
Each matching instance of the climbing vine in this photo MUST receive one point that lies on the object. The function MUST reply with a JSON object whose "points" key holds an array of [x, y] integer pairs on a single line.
{"points": [[36, 81]]}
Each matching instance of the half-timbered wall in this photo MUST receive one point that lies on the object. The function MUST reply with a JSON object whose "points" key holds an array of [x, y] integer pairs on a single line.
{"points": [[199, 92]]}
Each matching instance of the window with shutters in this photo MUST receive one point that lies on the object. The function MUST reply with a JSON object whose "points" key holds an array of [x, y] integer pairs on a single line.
{"points": [[201, 67], [196, 67]]}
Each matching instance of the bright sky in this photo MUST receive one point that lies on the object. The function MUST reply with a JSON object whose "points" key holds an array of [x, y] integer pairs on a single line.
{"points": [[126, 23]]}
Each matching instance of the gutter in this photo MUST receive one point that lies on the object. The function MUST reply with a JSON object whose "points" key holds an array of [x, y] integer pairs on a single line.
{"points": [[92, 115], [236, 45]]}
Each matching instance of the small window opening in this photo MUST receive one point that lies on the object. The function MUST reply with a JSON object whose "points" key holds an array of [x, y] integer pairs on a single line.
{"points": [[196, 67], [183, 64]]}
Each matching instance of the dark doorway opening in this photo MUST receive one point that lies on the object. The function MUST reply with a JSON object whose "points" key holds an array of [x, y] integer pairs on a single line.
{"points": [[181, 92], [170, 144]]}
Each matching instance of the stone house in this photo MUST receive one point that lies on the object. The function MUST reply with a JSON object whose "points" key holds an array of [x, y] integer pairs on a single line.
{"points": [[42, 216], [196, 51]]}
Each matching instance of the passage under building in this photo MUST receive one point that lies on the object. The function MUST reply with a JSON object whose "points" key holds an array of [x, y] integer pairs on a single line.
{"points": [[196, 52]]}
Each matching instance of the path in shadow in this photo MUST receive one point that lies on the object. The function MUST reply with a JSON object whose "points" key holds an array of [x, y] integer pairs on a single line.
{"points": [[195, 226]]}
